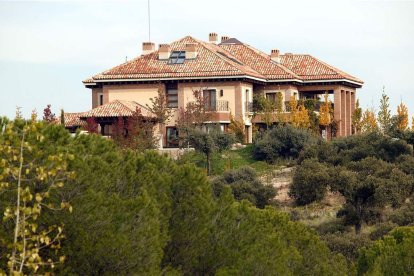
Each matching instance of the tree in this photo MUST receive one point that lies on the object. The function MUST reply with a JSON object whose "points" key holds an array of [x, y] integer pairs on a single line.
{"points": [[208, 142], [392, 255], [62, 117], [384, 114], [31, 173], [402, 113], [48, 115], [369, 122], [357, 118], [245, 184], [303, 119], [368, 185], [412, 123], [159, 107], [91, 125], [237, 128], [310, 182], [135, 132], [282, 142], [325, 118]]}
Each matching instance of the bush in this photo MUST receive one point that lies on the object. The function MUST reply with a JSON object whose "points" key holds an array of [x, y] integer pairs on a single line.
{"points": [[404, 215], [381, 230], [392, 255], [347, 244], [310, 182], [245, 185], [282, 142]]}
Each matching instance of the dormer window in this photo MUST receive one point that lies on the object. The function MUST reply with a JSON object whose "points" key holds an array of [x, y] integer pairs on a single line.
{"points": [[177, 57]]}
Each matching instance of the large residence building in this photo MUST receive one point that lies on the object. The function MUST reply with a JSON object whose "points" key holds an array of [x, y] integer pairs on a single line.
{"points": [[228, 72]]}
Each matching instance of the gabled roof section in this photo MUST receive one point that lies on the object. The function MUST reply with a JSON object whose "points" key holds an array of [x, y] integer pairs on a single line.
{"points": [[116, 108], [311, 68], [73, 119], [258, 61], [207, 64]]}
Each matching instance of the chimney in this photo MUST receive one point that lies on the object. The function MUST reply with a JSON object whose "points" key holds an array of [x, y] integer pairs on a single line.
{"points": [[148, 47], [190, 51], [212, 38], [274, 55], [224, 38], [164, 51]]}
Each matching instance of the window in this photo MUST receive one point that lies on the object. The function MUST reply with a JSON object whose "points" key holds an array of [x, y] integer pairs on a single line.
{"points": [[177, 57], [172, 96], [210, 99], [100, 99], [271, 97], [172, 137]]}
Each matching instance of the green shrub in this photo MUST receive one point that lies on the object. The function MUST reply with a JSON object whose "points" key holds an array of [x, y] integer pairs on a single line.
{"points": [[347, 244], [310, 182], [245, 184], [281, 142], [392, 255], [404, 215], [381, 229]]}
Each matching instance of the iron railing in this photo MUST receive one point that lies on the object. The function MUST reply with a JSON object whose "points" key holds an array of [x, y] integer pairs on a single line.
{"points": [[249, 106], [217, 105]]}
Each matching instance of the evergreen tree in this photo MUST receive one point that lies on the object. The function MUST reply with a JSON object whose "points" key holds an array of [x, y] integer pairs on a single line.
{"points": [[384, 114]]}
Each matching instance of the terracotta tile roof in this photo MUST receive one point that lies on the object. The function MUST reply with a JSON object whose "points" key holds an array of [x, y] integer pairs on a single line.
{"points": [[73, 119], [116, 108], [259, 61], [311, 68], [209, 63], [229, 59]]}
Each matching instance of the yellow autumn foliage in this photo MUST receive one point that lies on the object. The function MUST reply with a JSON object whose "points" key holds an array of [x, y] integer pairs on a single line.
{"points": [[402, 112]]}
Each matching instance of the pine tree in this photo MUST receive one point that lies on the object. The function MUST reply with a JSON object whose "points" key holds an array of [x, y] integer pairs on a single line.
{"points": [[384, 114]]}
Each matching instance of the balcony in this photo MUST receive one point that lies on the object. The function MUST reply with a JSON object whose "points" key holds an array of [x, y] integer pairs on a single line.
{"points": [[248, 107], [217, 106]]}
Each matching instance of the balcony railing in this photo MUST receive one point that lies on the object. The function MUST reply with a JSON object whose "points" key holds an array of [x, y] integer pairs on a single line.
{"points": [[249, 106], [217, 106]]}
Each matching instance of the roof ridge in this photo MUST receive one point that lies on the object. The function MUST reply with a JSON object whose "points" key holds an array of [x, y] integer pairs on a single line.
{"points": [[264, 55], [206, 45]]}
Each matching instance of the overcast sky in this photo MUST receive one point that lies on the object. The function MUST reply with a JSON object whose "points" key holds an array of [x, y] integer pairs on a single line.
{"points": [[48, 47]]}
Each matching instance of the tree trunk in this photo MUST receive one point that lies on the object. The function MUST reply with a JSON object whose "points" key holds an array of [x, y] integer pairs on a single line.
{"points": [[208, 164], [358, 228]]}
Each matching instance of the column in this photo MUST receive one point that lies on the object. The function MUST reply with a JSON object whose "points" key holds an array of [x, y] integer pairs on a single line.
{"points": [[352, 108], [337, 110], [348, 113]]}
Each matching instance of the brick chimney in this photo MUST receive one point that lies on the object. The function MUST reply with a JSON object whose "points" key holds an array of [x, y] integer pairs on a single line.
{"points": [[212, 38], [190, 51], [224, 38], [274, 55], [164, 51], [148, 47]]}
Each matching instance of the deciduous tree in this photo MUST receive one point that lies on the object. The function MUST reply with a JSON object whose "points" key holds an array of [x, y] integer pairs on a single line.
{"points": [[369, 122], [402, 113], [48, 115], [31, 173], [357, 118]]}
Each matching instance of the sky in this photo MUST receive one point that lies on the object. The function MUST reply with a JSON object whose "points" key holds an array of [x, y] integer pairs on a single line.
{"points": [[48, 47]]}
